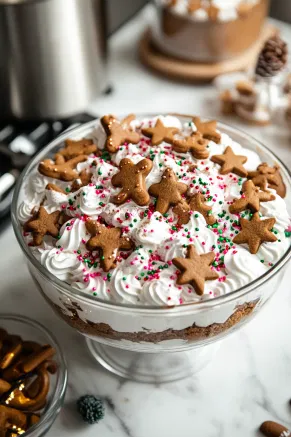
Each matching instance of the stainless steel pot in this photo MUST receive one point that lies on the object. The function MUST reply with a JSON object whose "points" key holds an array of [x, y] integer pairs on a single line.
{"points": [[52, 56]]}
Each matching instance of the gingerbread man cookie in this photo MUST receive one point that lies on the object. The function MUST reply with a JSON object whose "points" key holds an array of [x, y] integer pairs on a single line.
{"points": [[195, 144], [53, 187], [160, 133], [83, 180], [76, 148], [194, 5], [196, 269], [251, 198], [61, 169], [118, 132], [43, 224], [168, 192], [268, 177], [198, 203], [182, 211], [131, 178], [108, 241]]}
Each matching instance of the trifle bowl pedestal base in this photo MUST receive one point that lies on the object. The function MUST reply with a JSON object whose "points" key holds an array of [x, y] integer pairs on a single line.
{"points": [[152, 367]]}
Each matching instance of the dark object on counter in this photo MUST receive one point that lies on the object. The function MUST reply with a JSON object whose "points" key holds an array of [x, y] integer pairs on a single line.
{"points": [[52, 57], [19, 142], [273, 429], [91, 409], [273, 57]]}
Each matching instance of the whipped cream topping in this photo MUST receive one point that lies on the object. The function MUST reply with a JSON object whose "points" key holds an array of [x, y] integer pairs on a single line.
{"points": [[147, 275], [227, 10]]}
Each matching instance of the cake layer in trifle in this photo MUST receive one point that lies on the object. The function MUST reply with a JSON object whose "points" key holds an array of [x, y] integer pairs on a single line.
{"points": [[155, 211]]}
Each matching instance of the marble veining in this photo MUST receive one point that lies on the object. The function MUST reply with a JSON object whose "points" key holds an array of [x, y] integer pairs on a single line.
{"points": [[247, 382]]}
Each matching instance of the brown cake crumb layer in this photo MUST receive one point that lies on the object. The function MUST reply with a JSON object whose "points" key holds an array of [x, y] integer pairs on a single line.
{"points": [[192, 333]]}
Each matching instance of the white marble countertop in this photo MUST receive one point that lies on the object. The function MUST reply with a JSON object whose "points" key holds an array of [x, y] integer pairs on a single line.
{"points": [[250, 378]]}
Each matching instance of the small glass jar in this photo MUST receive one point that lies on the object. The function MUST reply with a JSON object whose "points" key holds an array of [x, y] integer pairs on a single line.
{"points": [[31, 330], [213, 31]]}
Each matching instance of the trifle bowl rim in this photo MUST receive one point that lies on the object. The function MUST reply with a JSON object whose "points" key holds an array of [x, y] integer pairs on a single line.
{"points": [[73, 293], [48, 417]]}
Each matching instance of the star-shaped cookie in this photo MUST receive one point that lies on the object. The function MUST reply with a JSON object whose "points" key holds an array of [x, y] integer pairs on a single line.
{"points": [[61, 169], [207, 129], [118, 132], [76, 148], [195, 269], [168, 192], [160, 133], [43, 224], [255, 232], [108, 240], [251, 198], [268, 177], [195, 144], [231, 163], [131, 178]]}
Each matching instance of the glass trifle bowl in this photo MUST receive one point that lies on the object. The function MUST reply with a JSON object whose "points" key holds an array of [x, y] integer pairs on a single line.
{"points": [[138, 323]]}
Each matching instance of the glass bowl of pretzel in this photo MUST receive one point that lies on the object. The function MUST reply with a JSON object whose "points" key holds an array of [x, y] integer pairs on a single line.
{"points": [[33, 377], [154, 236]]}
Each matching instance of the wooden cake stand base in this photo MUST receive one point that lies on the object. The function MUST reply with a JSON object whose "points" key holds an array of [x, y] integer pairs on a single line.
{"points": [[186, 70]]}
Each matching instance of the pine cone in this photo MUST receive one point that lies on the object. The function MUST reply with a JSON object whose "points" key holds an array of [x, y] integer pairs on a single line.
{"points": [[272, 58], [91, 409]]}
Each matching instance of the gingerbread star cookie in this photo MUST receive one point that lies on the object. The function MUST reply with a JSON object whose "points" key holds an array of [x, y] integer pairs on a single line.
{"points": [[131, 178], [207, 129], [160, 133], [251, 198], [108, 240], [195, 269], [195, 144], [118, 132], [231, 163], [255, 232], [43, 224], [268, 177], [61, 169], [168, 192], [76, 148]]}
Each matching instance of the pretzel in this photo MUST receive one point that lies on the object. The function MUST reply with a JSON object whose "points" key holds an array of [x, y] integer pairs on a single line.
{"points": [[29, 363], [11, 419], [39, 389], [12, 350]]}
